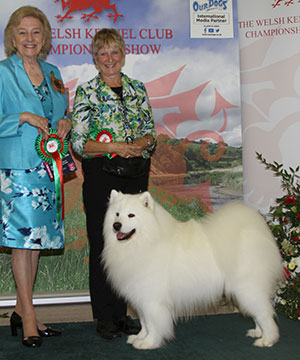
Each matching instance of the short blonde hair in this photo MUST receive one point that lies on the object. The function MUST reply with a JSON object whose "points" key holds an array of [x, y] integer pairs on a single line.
{"points": [[106, 38], [15, 19]]}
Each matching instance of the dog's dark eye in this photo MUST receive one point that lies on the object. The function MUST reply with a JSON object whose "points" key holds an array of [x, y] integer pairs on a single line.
{"points": [[117, 214], [131, 215]]}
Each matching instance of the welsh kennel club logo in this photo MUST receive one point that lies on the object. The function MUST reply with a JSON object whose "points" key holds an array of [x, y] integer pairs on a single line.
{"points": [[78, 5]]}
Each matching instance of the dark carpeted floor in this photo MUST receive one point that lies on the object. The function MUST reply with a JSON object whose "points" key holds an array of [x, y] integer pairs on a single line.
{"points": [[217, 337]]}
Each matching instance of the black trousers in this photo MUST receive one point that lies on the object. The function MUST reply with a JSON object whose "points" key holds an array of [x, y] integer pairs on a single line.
{"points": [[97, 186]]}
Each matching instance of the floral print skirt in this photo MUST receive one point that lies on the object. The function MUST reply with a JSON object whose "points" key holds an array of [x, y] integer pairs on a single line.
{"points": [[28, 217]]}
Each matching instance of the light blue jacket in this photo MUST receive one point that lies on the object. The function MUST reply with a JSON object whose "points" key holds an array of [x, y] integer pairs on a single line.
{"points": [[17, 95]]}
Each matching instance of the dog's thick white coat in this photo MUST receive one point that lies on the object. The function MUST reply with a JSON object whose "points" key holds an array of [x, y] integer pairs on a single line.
{"points": [[167, 267]]}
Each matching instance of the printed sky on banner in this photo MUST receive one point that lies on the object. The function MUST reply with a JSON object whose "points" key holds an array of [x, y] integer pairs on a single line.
{"points": [[177, 70]]}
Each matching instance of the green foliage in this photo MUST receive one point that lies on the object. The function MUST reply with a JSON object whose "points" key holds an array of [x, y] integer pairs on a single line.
{"points": [[288, 298], [284, 222], [7, 284], [185, 211], [194, 162], [66, 272], [225, 178], [181, 211], [219, 173]]}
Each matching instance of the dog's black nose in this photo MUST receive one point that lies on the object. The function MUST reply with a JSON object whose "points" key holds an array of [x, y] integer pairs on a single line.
{"points": [[117, 226]]}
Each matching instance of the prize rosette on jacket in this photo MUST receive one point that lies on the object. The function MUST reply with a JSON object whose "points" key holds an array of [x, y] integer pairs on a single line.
{"points": [[52, 151], [104, 136]]}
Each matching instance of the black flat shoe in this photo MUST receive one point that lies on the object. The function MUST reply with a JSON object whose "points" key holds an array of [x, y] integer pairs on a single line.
{"points": [[49, 332], [108, 330], [15, 323], [32, 341], [127, 325]]}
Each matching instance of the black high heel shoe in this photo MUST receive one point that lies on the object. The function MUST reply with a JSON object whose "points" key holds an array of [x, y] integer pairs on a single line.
{"points": [[32, 341], [49, 332], [15, 323]]}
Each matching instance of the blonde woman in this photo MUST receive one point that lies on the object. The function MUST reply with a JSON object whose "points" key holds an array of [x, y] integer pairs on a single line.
{"points": [[32, 101], [113, 130]]}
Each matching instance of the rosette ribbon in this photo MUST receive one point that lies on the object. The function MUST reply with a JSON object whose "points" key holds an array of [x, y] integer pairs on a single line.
{"points": [[52, 151], [104, 136]]}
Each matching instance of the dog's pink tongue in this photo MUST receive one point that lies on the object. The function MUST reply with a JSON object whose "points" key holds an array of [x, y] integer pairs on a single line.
{"points": [[121, 236]]}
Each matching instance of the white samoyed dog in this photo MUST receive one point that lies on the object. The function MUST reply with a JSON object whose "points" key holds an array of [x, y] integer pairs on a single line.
{"points": [[165, 268]]}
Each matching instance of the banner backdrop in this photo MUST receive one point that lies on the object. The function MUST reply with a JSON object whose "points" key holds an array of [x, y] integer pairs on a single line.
{"points": [[193, 85], [270, 88]]}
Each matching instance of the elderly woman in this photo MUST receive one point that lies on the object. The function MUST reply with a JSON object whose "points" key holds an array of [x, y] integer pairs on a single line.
{"points": [[113, 130], [32, 101]]}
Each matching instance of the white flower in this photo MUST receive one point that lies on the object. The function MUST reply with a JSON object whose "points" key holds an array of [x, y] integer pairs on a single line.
{"points": [[5, 183], [26, 192], [35, 204], [292, 265], [294, 229], [42, 173], [37, 238], [55, 242], [41, 199], [7, 208], [45, 206], [296, 261], [35, 192]]}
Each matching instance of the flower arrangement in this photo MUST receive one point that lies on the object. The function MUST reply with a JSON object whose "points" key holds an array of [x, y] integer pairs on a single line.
{"points": [[284, 222]]}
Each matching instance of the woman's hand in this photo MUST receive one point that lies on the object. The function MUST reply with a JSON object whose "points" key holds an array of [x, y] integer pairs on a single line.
{"points": [[141, 144], [128, 150], [63, 128], [122, 149], [41, 123]]}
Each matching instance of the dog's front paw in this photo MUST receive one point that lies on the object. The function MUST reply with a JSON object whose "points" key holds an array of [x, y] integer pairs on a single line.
{"points": [[131, 339], [145, 344], [254, 333], [263, 342]]}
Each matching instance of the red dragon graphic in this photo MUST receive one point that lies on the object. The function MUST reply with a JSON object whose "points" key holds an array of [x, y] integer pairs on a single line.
{"points": [[77, 5]]}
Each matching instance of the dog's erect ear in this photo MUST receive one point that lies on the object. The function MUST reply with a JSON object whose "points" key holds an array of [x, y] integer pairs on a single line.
{"points": [[147, 199], [113, 194]]}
